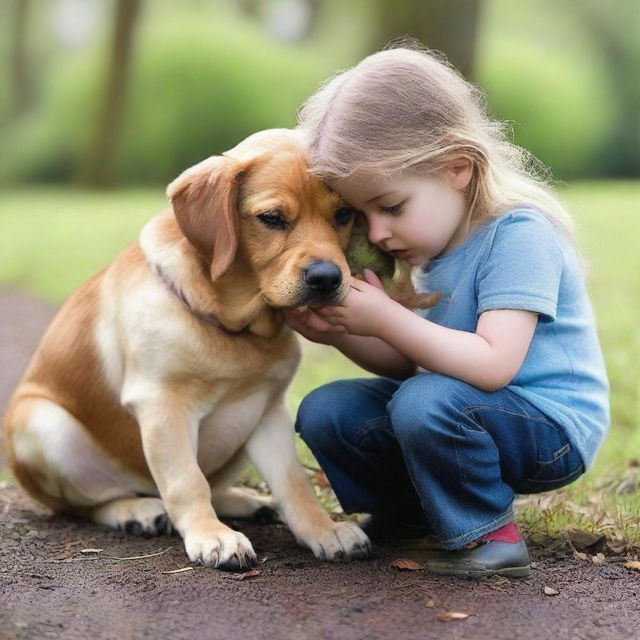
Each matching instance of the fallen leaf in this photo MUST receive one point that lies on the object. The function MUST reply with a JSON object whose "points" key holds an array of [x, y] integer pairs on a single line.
{"points": [[584, 541], [91, 550], [448, 616], [578, 555], [247, 575], [540, 539], [632, 564], [497, 583], [617, 546], [598, 559], [550, 591], [404, 564], [430, 604]]}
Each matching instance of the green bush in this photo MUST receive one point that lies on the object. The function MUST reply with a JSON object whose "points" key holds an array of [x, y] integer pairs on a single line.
{"points": [[49, 144], [559, 104], [196, 89], [192, 101]]}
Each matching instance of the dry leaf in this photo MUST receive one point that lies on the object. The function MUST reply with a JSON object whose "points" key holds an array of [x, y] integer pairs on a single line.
{"points": [[321, 479], [598, 559], [633, 564], [247, 575], [550, 591], [91, 550], [584, 541], [404, 564], [448, 616], [578, 555], [498, 583], [617, 546], [430, 603]]}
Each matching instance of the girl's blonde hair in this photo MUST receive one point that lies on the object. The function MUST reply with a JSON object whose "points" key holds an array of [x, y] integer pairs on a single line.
{"points": [[406, 109]]}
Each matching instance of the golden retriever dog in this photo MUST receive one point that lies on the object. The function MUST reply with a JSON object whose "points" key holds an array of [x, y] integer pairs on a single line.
{"points": [[166, 371]]}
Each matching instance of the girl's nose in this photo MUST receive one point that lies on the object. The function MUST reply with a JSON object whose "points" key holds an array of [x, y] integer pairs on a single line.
{"points": [[377, 231]]}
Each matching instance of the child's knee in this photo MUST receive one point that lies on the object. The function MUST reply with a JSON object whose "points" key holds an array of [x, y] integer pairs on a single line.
{"points": [[320, 412], [424, 406]]}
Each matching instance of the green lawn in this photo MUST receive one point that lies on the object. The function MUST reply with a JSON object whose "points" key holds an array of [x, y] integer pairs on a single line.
{"points": [[54, 238]]}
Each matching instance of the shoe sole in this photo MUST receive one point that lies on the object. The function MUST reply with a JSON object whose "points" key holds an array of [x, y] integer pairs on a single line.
{"points": [[507, 572]]}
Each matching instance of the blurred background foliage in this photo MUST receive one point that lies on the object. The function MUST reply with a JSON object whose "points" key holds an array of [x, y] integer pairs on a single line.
{"points": [[112, 92]]}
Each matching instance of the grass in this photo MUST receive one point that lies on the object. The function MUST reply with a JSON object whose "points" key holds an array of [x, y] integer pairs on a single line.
{"points": [[54, 238]]}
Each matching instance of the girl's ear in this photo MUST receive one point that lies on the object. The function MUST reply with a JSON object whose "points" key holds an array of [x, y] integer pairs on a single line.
{"points": [[460, 172]]}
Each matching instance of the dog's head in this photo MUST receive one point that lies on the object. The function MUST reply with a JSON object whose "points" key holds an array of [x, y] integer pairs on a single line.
{"points": [[258, 208]]}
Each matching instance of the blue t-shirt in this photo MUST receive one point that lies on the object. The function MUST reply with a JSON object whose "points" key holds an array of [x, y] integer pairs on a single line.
{"points": [[521, 260]]}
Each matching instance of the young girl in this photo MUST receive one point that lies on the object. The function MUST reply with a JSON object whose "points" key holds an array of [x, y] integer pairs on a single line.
{"points": [[498, 389]]}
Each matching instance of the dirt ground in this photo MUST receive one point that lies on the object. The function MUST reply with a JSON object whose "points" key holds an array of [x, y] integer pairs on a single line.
{"points": [[53, 586]]}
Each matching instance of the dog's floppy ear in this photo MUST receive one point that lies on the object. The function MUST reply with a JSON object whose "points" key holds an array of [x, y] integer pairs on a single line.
{"points": [[204, 199]]}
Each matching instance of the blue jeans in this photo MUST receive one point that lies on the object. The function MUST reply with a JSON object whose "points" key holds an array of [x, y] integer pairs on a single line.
{"points": [[434, 450]]}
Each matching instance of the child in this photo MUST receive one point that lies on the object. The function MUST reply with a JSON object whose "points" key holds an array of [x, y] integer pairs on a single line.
{"points": [[510, 394]]}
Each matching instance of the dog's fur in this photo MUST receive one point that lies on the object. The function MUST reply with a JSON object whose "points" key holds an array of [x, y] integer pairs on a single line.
{"points": [[161, 372]]}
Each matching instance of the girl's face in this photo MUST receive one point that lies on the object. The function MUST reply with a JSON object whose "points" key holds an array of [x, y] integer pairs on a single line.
{"points": [[414, 218]]}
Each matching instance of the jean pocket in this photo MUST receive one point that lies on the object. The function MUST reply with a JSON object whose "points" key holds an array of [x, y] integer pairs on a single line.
{"points": [[564, 466]]}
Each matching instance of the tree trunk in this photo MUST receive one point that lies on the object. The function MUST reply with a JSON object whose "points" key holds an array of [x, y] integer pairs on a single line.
{"points": [[449, 26], [100, 163], [615, 37], [19, 78]]}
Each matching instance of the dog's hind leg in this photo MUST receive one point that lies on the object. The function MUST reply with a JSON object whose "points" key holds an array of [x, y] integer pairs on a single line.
{"points": [[138, 516], [239, 502], [58, 462]]}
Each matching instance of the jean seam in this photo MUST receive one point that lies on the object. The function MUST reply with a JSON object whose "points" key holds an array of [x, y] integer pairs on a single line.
{"points": [[559, 453], [511, 413], [576, 471]]}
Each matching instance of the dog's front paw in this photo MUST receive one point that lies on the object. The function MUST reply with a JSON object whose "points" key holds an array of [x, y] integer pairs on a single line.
{"points": [[344, 541], [216, 545]]}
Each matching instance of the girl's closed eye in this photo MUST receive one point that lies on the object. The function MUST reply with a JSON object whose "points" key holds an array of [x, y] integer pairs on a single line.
{"points": [[394, 208]]}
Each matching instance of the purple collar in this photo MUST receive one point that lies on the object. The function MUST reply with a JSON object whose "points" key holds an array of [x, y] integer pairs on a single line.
{"points": [[208, 318]]}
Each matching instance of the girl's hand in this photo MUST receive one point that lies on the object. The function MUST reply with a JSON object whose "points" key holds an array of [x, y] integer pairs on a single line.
{"points": [[312, 326], [361, 310]]}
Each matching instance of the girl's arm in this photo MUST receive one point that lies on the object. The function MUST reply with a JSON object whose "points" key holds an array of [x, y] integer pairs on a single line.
{"points": [[488, 359], [369, 352], [376, 356]]}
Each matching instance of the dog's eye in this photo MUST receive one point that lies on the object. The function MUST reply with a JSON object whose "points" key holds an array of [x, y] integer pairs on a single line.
{"points": [[343, 216], [273, 219]]}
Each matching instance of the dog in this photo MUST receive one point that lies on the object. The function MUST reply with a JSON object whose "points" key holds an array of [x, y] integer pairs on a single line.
{"points": [[164, 372]]}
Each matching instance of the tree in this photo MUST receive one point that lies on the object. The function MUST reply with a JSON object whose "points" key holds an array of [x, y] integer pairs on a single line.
{"points": [[614, 31], [20, 90], [101, 158], [449, 26]]}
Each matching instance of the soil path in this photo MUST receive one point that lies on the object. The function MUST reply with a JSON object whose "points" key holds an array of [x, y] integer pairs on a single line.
{"points": [[49, 588]]}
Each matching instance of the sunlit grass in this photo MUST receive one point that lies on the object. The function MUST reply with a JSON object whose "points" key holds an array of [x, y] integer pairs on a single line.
{"points": [[52, 239]]}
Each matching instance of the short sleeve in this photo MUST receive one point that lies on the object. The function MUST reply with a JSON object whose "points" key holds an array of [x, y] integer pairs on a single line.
{"points": [[523, 266]]}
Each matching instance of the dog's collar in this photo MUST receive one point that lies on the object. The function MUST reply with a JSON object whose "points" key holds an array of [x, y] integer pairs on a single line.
{"points": [[205, 317]]}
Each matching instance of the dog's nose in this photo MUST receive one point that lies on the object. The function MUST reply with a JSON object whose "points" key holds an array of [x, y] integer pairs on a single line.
{"points": [[322, 276]]}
